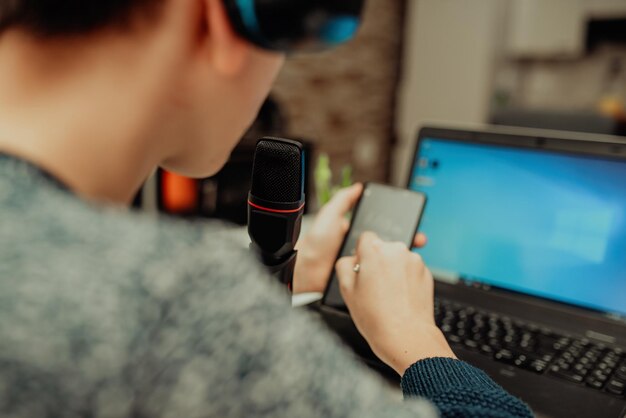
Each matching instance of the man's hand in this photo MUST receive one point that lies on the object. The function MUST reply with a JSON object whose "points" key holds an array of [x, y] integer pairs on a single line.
{"points": [[318, 250], [390, 299]]}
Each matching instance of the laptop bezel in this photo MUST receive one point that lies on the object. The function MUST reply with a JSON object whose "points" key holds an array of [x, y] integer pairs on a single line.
{"points": [[542, 140]]}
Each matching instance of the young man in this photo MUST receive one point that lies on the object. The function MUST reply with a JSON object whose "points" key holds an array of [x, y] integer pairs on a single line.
{"points": [[106, 313]]}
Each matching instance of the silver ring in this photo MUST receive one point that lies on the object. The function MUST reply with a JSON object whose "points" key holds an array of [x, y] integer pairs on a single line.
{"points": [[357, 268]]}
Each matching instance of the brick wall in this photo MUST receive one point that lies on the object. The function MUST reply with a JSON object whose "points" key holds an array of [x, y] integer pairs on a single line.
{"points": [[344, 100]]}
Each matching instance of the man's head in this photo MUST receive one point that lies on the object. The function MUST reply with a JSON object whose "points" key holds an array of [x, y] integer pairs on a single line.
{"points": [[177, 68], [144, 82]]}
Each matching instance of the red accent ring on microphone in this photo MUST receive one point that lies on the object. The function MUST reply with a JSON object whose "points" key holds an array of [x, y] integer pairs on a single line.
{"points": [[276, 210]]}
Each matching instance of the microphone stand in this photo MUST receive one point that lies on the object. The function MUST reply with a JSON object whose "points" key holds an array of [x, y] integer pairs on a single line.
{"points": [[281, 269], [284, 270]]}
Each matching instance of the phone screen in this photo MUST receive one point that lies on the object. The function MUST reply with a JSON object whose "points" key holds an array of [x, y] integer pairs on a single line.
{"points": [[393, 214]]}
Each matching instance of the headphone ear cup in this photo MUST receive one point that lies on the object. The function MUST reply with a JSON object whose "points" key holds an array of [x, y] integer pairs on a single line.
{"points": [[234, 13], [295, 25]]}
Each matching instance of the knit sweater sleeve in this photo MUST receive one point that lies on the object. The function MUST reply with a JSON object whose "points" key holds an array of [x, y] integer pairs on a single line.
{"points": [[460, 390]]}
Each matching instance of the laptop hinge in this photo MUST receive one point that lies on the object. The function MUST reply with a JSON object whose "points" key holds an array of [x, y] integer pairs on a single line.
{"points": [[608, 339]]}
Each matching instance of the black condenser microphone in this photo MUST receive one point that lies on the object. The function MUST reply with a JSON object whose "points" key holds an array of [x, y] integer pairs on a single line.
{"points": [[276, 205]]}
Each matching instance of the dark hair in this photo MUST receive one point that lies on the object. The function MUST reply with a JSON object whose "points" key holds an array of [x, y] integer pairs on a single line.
{"points": [[70, 17]]}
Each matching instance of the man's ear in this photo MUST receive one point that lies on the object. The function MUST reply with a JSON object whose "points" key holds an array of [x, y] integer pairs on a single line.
{"points": [[229, 52]]}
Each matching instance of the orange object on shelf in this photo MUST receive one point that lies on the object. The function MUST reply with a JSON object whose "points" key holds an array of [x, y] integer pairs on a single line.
{"points": [[179, 194], [613, 107]]}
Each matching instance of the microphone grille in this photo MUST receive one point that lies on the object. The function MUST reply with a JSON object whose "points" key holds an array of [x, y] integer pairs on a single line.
{"points": [[277, 174]]}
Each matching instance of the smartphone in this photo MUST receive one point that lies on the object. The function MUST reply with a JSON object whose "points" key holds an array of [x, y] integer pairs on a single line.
{"points": [[392, 213]]}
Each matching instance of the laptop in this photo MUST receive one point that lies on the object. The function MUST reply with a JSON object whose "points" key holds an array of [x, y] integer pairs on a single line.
{"points": [[527, 242]]}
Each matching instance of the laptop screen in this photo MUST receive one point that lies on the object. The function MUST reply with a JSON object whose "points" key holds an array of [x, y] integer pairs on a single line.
{"points": [[543, 223]]}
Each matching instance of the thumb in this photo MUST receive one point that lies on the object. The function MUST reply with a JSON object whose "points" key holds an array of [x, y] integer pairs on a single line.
{"points": [[369, 243], [346, 275], [343, 201]]}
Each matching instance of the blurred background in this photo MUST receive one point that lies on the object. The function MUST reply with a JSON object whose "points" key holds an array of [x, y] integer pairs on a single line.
{"points": [[556, 64]]}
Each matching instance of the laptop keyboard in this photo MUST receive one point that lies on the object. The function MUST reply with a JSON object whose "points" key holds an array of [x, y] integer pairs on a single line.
{"points": [[535, 348]]}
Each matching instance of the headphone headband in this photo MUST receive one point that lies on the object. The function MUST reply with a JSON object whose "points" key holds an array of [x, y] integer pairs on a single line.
{"points": [[295, 25]]}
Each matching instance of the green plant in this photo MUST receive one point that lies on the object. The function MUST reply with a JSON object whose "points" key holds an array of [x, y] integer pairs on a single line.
{"points": [[324, 180]]}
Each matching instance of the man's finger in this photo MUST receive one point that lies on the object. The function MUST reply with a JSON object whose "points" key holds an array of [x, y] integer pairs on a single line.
{"points": [[368, 244], [346, 273], [344, 200], [345, 226], [420, 241]]}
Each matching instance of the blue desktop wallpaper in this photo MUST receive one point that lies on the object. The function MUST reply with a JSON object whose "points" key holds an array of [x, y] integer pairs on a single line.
{"points": [[546, 224]]}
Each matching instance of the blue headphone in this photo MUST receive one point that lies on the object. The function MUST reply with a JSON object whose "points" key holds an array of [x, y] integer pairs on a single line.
{"points": [[295, 25]]}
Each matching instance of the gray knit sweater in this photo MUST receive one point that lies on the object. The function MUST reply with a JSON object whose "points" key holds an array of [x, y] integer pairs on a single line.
{"points": [[107, 313]]}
